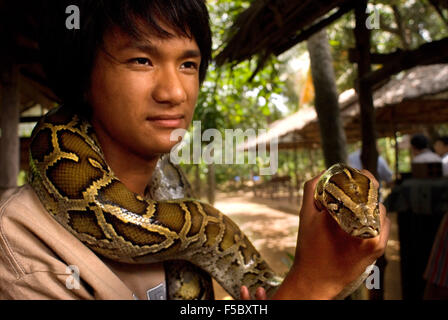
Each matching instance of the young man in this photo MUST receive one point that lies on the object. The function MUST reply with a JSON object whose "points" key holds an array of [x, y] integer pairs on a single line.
{"points": [[441, 148], [134, 70], [420, 150], [384, 172]]}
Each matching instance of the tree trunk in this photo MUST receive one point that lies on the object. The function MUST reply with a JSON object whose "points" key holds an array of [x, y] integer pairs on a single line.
{"points": [[326, 101], [404, 33], [211, 184], [197, 180], [9, 126]]}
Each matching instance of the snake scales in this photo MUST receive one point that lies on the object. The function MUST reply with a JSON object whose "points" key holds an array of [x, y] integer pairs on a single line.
{"points": [[76, 186]]}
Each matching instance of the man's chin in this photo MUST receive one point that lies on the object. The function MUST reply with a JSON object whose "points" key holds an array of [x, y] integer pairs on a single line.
{"points": [[158, 150]]}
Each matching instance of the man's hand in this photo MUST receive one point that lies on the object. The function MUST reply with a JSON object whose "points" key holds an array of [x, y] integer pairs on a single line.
{"points": [[327, 258], [260, 294]]}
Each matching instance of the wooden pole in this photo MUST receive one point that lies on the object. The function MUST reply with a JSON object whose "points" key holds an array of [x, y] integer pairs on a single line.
{"points": [[211, 182], [197, 182], [397, 157], [369, 154], [396, 147], [9, 125], [290, 183], [296, 175]]}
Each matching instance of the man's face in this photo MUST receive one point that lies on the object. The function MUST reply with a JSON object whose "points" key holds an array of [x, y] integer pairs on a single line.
{"points": [[143, 90], [440, 148]]}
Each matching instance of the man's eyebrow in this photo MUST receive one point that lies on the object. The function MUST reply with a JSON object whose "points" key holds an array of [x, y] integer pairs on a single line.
{"points": [[141, 45], [191, 54], [146, 46]]}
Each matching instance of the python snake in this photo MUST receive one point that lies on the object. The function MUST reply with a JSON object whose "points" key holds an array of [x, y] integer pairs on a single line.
{"points": [[351, 198], [77, 187]]}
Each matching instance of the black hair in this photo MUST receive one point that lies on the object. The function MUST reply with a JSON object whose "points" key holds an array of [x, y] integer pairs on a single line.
{"points": [[419, 141], [443, 139], [68, 55]]}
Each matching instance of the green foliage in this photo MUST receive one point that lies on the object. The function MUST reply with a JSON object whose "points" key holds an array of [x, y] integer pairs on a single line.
{"points": [[419, 21], [228, 100]]}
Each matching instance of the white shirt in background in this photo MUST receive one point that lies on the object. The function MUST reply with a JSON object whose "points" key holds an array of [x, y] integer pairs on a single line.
{"points": [[427, 156], [384, 173], [445, 165]]}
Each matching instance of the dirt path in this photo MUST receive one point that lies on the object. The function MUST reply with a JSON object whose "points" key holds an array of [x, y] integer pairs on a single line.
{"points": [[274, 233]]}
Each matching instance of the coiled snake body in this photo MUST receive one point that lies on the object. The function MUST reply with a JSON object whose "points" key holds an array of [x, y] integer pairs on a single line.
{"points": [[76, 186]]}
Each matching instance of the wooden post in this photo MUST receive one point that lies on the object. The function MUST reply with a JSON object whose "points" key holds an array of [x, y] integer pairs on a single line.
{"points": [[9, 125], [311, 160], [396, 147], [296, 175], [211, 183], [397, 157], [369, 154], [197, 180]]}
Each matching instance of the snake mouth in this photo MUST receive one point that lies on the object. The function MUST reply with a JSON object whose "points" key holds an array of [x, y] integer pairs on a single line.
{"points": [[365, 232]]}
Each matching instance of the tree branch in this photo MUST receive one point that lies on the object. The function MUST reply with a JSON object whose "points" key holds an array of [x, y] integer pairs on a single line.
{"points": [[428, 53], [401, 29], [439, 11]]}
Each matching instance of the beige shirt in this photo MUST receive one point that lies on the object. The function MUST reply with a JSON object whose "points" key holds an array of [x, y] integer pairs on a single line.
{"points": [[40, 259]]}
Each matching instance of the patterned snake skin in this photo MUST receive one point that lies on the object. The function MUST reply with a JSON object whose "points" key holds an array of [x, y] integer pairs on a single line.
{"points": [[193, 239], [76, 186]]}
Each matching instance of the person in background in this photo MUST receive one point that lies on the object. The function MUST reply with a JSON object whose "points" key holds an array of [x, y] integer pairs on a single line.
{"points": [[436, 273], [384, 172], [384, 175], [441, 148], [421, 152]]}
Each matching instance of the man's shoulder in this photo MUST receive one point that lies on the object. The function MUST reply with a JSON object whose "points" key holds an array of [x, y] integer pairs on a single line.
{"points": [[427, 156], [35, 247], [445, 158], [21, 196], [20, 204], [25, 233], [355, 154]]}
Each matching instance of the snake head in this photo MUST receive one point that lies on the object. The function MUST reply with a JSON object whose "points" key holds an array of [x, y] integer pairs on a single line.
{"points": [[351, 198]]}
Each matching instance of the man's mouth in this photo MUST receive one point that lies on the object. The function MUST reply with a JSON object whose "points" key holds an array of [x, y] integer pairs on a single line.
{"points": [[167, 121]]}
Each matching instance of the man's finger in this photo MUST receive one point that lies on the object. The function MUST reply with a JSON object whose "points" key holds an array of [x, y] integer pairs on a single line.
{"points": [[244, 293], [308, 192], [260, 294], [385, 227]]}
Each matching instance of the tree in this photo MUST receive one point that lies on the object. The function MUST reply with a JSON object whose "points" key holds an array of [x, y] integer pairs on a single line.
{"points": [[326, 100], [230, 97]]}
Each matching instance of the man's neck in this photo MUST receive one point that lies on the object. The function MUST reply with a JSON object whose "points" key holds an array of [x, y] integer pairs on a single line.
{"points": [[133, 170], [423, 151]]}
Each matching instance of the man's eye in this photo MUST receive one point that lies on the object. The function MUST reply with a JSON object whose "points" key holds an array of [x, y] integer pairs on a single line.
{"points": [[190, 65], [142, 61]]}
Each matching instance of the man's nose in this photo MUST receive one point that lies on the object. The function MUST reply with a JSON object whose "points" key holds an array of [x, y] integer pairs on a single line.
{"points": [[169, 88]]}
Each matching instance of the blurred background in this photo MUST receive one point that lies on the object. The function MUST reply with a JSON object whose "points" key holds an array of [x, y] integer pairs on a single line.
{"points": [[333, 81]]}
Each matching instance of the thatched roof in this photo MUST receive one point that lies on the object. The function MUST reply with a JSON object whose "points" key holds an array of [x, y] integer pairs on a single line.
{"points": [[274, 26], [289, 131], [418, 96], [19, 22]]}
